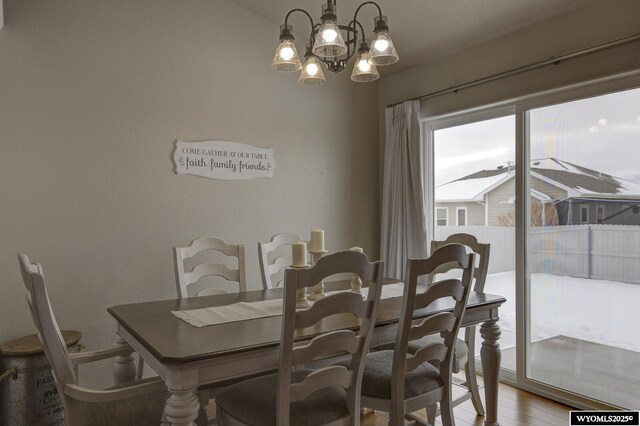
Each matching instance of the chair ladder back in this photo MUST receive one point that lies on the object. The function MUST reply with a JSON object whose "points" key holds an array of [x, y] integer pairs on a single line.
{"points": [[438, 290], [446, 324], [331, 343], [275, 267], [481, 250], [186, 278], [275, 271]]}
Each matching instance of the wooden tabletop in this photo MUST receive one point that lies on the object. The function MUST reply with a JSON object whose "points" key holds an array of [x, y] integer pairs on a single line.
{"points": [[173, 341]]}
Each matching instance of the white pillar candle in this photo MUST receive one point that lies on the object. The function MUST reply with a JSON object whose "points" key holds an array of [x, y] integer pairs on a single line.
{"points": [[358, 249], [299, 252], [317, 241]]}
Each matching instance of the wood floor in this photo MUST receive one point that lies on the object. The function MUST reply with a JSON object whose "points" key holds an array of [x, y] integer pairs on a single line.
{"points": [[515, 408]]}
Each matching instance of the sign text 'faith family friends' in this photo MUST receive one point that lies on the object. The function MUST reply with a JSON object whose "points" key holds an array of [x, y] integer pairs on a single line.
{"points": [[223, 160]]}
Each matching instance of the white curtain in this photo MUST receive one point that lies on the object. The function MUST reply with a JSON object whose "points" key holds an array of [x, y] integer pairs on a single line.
{"points": [[403, 233]]}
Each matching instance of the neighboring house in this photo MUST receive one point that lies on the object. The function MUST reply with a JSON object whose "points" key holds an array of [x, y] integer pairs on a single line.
{"points": [[562, 193]]}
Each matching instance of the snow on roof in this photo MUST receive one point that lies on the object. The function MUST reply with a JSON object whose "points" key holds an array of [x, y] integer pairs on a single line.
{"points": [[583, 181], [628, 187], [555, 164], [466, 189]]}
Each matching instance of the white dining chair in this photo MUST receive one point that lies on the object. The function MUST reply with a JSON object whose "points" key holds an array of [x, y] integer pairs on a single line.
{"points": [[464, 348], [185, 279], [401, 382], [274, 256], [139, 403], [307, 396]]}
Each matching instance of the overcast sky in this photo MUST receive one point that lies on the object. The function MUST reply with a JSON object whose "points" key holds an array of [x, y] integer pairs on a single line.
{"points": [[601, 133]]}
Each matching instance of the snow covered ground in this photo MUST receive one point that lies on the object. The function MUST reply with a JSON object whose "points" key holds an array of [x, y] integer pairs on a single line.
{"points": [[598, 311]]}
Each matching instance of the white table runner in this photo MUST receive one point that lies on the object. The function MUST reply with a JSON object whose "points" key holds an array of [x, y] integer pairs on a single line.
{"points": [[240, 311], [243, 311], [389, 291]]}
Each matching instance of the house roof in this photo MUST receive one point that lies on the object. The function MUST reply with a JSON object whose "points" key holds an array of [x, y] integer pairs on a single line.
{"points": [[578, 181], [471, 188]]}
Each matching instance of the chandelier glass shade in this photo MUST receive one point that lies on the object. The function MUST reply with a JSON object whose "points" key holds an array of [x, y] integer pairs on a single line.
{"points": [[364, 70], [332, 45], [329, 41], [286, 58], [312, 73], [383, 52]]}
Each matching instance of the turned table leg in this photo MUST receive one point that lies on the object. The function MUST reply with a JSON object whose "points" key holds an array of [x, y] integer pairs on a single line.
{"points": [[490, 356], [124, 367], [182, 407]]}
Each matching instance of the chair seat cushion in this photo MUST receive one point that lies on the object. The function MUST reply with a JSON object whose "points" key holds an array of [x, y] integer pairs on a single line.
{"points": [[376, 380], [254, 402]]}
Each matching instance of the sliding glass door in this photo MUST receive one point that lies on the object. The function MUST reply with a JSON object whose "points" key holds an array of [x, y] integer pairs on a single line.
{"points": [[552, 182], [583, 238]]}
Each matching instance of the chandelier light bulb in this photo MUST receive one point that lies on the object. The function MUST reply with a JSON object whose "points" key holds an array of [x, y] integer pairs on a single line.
{"points": [[329, 35], [381, 45], [312, 69], [286, 53], [364, 65]]}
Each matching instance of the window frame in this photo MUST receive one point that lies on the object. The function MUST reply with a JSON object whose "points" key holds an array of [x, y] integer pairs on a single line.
{"points": [[584, 208], [446, 216], [466, 216]]}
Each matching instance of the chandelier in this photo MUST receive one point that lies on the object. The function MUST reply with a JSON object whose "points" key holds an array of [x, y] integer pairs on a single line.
{"points": [[334, 45]]}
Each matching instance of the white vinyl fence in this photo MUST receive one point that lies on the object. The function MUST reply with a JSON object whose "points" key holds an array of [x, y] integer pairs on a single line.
{"points": [[605, 252]]}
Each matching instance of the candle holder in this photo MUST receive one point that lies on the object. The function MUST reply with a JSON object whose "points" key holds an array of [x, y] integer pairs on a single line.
{"points": [[301, 293], [318, 289], [356, 284]]}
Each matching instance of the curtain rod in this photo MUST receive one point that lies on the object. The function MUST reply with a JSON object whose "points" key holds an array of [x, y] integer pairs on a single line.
{"points": [[552, 60]]}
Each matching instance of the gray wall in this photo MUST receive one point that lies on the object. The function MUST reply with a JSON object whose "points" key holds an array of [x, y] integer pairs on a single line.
{"points": [[475, 212], [498, 202], [93, 95], [595, 23]]}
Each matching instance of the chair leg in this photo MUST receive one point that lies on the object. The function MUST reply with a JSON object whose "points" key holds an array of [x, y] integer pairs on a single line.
{"points": [[470, 372], [472, 384], [431, 414], [203, 400], [446, 412]]}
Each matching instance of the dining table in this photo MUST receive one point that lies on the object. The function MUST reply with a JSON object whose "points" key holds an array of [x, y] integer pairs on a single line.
{"points": [[187, 357]]}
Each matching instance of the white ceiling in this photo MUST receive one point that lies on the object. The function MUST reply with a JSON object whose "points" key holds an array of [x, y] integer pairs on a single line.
{"points": [[424, 30]]}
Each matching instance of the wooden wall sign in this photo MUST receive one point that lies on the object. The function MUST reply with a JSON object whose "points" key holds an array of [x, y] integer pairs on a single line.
{"points": [[223, 160]]}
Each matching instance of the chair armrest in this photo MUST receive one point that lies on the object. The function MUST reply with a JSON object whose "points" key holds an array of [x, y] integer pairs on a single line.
{"points": [[80, 393], [85, 357]]}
